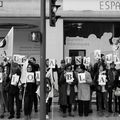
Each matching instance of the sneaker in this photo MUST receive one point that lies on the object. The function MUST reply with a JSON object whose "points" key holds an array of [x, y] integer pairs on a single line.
{"points": [[47, 117]]}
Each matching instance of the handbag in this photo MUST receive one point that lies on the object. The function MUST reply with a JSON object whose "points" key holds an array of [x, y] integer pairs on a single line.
{"points": [[117, 92]]}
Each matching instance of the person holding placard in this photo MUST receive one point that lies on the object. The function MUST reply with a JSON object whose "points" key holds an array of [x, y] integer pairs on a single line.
{"points": [[100, 81], [112, 75], [36, 67], [14, 90], [2, 92], [29, 90], [60, 71], [84, 81], [67, 81]]}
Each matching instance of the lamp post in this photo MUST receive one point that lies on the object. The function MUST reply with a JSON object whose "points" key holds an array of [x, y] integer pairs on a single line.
{"points": [[42, 61]]}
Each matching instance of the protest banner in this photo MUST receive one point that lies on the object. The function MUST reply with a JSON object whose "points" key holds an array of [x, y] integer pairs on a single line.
{"points": [[109, 58], [86, 61], [37, 76]]}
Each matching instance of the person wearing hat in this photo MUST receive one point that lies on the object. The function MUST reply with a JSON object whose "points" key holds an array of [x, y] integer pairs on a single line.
{"points": [[112, 73], [67, 82]]}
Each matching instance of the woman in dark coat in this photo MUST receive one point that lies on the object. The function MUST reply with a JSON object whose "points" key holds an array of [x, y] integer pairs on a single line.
{"points": [[29, 91], [67, 83]]}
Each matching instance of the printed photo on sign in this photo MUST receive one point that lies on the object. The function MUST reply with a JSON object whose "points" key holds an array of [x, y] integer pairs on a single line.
{"points": [[69, 77], [86, 61], [102, 80], [97, 54], [30, 77], [15, 79], [37, 75], [1, 78], [78, 60], [81, 78], [52, 63], [68, 60], [108, 58]]}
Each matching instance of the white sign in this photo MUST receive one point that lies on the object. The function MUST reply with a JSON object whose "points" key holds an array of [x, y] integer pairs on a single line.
{"points": [[97, 54], [93, 5], [68, 60], [116, 59], [102, 80], [30, 77], [108, 58], [69, 77], [37, 75], [52, 63], [86, 61], [81, 78], [1, 78], [20, 59], [15, 79], [78, 60]]}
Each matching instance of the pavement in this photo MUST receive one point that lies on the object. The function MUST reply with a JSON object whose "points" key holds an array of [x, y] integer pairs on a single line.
{"points": [[57, 115]]}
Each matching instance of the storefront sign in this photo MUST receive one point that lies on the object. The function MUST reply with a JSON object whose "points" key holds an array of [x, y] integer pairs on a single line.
{"points": [[94, 5]]}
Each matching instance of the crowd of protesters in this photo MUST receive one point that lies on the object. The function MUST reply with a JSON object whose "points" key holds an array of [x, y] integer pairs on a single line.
{"points": [[76, 83]]}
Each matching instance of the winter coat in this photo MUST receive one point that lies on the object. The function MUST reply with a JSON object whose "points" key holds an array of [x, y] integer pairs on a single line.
{"points": [[84, 88], [64, 86]]}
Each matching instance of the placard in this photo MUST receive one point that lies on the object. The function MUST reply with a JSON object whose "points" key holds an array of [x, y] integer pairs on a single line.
{"points": [[37, 76], [108, 58], [30, 77], [20, 59], [69, 77], [52, 63], [1, 77], [68, 60], [102, 80], [78, 60], [81, 78], [116, 59], [15, 79], [97, 54], [86, 61]]}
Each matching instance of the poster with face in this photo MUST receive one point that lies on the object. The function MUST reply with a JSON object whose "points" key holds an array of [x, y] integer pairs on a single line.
{"points": [[97, 54], [81, 78], [69, 77], [78, 60]]}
